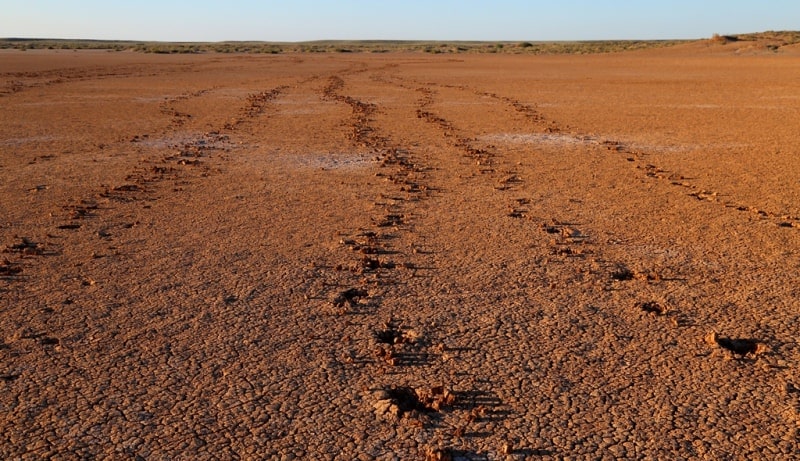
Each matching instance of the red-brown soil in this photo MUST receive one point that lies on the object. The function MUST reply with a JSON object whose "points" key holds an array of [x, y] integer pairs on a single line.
{"points": [[400, 255]]}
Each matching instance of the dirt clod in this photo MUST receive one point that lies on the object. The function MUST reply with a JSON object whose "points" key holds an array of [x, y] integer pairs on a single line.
{"points": [[392, 334], [404, 400], [7, 268], [622, 273], [26, 246], [739, 346], [351, 296], [653, 307], [438, 454], [391, 220]]}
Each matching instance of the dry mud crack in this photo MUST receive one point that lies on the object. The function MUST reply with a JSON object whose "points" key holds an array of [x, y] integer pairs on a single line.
{"points": [[397, 257]]}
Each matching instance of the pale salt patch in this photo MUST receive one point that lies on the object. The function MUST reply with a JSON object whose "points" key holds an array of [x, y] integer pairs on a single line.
{"points": [[462, 103], [330, 161], [719, 106], [542, 138], [177, 141], [563, 139], [148, 99], [302, 106], [27, 140]]}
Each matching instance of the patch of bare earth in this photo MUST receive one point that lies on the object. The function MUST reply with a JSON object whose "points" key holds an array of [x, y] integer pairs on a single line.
{"points": [[399, 256]]}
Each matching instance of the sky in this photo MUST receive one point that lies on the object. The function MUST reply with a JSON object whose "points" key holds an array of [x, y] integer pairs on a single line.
{"points": [[304, 20]]}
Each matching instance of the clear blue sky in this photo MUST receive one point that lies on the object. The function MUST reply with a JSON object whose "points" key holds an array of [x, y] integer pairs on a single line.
{"points": [[299, 20]]}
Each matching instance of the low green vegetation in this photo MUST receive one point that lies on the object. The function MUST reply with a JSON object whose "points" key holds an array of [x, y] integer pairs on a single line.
{"points": [[776, 39], [332, 46], [782, 38]]}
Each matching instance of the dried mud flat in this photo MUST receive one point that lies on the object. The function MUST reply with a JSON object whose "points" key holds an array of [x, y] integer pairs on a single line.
{"points": [[399, 256]]}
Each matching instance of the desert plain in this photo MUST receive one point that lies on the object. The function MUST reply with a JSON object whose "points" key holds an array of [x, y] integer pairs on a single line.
{"points": [[400, 255]]}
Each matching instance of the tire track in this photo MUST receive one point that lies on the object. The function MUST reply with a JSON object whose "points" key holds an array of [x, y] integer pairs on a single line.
{"points": [[22, 81], [570, 245], [187, 158], [396, 346], [171, 161], [486, 160], [167, 107], [654, 172], [255, 107], [566, 233], [637, 159]]}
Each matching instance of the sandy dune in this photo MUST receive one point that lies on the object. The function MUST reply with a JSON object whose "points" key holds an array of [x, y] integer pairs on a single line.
{"points": [[400, 256]]}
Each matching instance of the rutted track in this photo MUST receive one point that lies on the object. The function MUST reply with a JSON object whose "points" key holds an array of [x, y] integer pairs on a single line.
{"points": [[408, 400], [636, 157]]}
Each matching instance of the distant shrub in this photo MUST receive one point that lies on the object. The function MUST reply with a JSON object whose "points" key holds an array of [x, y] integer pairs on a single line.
{"points": [[723, 39], [435, 47]]}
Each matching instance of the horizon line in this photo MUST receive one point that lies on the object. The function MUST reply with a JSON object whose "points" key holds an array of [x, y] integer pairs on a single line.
{"points": [[355, 40]]}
